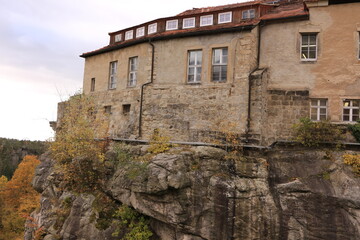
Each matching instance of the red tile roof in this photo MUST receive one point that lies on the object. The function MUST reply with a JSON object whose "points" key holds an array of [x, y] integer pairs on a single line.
{"points": [[271, 12]]}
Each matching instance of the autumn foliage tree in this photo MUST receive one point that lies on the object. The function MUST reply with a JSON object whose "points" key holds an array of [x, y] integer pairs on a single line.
{"points": [[79, 144], [17, 199]]}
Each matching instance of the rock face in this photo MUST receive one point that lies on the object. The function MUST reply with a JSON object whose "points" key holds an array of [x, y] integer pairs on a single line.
{"points": [[200, 193]]}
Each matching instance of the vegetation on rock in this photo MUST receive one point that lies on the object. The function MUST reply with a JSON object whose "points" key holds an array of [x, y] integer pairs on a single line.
{"points": [[311, 134], [354, 161], [355, 130]]}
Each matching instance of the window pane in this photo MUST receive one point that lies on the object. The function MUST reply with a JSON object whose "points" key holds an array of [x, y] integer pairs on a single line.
{"points": [[216, 57], [312, 39], [199, 57], [190, 78], [312, 54], [355, 111], [223, 73], [346, 118], [314, 102], [322, 117], [191, 70], [216, 73], [323, 102], [355, 103], [304, 40], [323, 111], [224, 55], [346, 103], [346, 111], [192, 58]]}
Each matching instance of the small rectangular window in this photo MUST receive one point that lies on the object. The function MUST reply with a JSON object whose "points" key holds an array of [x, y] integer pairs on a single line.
{"points": [[92, 85], [225, 17], [140, 32], [206, 20], [219, 64], [117, 37], [194, 66], [152, 28], [133, 66], [318, 109], [248, 14], [126, 109], [112, 75], [129, 34], [188, 22], [107, 109], [172, 24], [351, 110], [308, 46]]}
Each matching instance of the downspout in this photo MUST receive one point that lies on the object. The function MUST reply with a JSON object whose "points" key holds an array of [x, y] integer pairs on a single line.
{"points": [[145, 84], [248, 120]]}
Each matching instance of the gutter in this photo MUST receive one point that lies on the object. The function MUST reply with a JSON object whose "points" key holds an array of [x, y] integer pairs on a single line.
{"points": [[157, 38], [143, 86]]}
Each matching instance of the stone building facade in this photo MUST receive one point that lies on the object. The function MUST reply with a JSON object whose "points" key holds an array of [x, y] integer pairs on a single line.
{"points": [[252, 68]]}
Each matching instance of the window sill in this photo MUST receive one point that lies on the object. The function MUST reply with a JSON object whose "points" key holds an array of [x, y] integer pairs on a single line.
{"points": [[309, 61], [193, 83]]}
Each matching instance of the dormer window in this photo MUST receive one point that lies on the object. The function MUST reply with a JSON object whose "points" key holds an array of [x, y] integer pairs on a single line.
{"points": [[225, 17], [140, 32], [171, 24], [152, 28], [129, 34], [117, 37], [206, 20], [248, 14], [188, 22]]}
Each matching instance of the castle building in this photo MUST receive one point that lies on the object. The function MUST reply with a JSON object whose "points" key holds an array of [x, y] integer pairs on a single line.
{"points": [[254, 68]]}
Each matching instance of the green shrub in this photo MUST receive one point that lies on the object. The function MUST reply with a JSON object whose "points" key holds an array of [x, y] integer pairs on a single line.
{"points": [[131, 224], [355, 130], [311, 134]]}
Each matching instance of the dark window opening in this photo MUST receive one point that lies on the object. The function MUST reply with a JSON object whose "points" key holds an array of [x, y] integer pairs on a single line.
{"points": [[92, 87], [126, 109], [107, 109]]}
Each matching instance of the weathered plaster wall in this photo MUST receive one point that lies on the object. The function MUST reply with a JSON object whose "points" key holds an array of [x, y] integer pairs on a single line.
{"points": [[336, 73], [182, 111]]}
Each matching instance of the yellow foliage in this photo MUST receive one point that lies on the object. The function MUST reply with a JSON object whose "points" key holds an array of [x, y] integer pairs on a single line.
{"points": [[18, 199], [354, 161], [159, 143], [79, 144]]}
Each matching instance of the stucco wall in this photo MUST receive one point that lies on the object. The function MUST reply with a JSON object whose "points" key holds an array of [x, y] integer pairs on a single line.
{"points": [[182, 111], [336, 73]]}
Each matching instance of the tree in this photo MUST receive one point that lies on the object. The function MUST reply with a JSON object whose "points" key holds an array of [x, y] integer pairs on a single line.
{"points": [[18, 198]]}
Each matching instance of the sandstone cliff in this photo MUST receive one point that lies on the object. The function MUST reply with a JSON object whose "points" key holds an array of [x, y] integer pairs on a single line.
{"points": [[200, 193]]}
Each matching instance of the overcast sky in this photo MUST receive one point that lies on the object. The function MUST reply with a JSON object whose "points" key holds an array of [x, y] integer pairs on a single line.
{"points": [[40, 44]]}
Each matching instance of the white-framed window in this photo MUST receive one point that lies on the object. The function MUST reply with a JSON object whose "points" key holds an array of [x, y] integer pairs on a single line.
{"points": [[194, 66], [351, 110], [219, 64], [172, 24], [140, 32], [248, 14], [152, 28], [118, 37], [225, 17], [206, 20], [112, 75], [133, 66], [318, 109], [308, 46], [189, 22], [129, 34]]}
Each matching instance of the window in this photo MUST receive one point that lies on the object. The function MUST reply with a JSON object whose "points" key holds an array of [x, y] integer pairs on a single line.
{"points": [[318, 109], [152, 28], [140, 32], [107, 109], [92, 85], [129, 34], [359, 46], [194, 66], [248, 14], [117, 37], [351, 110], [206, 20], [219, 64], [224, 17], [172, 24], [188, 22], [133, 65], [126, 109], [112, 78], [308, 46]]}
